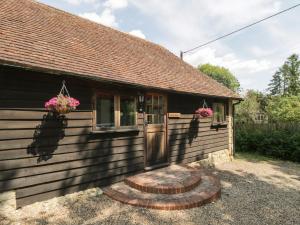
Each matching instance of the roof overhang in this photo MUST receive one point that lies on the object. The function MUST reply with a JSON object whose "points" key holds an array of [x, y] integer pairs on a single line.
{"points": [[34, 68]]}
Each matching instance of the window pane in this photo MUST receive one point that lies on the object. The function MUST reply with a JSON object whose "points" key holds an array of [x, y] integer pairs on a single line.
{"points": [[155, 100], [127, 111], [219, 112], [149, 109], [160, 110], [155, 109], [149, 99], [161, 100], [105, 111], [149, 119]]}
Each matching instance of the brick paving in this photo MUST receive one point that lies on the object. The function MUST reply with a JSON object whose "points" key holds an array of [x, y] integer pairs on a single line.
{"points": [[172, 188]]}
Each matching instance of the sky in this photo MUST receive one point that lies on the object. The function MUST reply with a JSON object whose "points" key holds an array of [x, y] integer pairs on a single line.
{"points": [[252, 55]]}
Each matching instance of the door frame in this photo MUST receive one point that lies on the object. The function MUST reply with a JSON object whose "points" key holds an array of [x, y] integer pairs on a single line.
{"points": [[165, 124]]}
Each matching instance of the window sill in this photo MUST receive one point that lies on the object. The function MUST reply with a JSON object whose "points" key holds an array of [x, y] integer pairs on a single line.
{"points": [[115, 130], [219, 124]]}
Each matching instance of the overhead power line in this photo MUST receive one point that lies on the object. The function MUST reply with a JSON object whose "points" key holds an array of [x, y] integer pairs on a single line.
{"points": [[235, 31]]}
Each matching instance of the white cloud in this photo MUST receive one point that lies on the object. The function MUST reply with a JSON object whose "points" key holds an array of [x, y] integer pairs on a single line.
{"points": [[138, 33], [248, 71], [199, 21], [228, 60], [116, 4], [78, 2], [259, 51], [252, 55], [106, 18]]}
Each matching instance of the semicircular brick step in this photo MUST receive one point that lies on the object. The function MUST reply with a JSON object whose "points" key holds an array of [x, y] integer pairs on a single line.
{"points": [[170, 180], [207, 191]]}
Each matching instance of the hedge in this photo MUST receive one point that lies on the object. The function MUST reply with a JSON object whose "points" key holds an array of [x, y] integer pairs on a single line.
{"points": [[279, 140]]}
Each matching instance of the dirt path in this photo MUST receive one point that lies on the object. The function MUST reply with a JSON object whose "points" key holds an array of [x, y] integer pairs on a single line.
{"points": [[264, 192]]}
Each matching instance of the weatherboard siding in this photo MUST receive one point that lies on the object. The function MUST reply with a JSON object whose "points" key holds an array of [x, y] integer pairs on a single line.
{"points": [[191, 139], [41, 157]]}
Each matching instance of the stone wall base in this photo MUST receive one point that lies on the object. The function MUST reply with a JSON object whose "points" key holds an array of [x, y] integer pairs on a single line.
{"points": [[7, 203], [215, 158]]}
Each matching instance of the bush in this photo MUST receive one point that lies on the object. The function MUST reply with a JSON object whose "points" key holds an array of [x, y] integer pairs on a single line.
{"points": [[277, 140]]}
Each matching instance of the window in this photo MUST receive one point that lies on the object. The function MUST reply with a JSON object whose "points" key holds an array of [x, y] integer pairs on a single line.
{"points": [[155, 109], [105, 111], [115, 111], [219, 113], [127, 111]]}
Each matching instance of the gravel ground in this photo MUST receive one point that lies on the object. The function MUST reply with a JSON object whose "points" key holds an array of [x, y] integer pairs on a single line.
{"points": [[264, 192]]}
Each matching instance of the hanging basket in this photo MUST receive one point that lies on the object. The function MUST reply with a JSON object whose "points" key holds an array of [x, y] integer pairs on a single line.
{"points": [[204, 112], [63, 103]]}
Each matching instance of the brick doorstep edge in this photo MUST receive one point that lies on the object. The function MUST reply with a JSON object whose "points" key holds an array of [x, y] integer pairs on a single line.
{"points": [[174, 204], [187, 185]]}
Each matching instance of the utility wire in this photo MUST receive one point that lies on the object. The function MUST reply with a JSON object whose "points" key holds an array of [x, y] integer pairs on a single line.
{"points": [[235, 31]]}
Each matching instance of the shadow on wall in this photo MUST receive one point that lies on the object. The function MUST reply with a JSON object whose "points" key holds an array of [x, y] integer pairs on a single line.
{"points": [[178, 141], [47, 135], [106, 159], [193, 129]]}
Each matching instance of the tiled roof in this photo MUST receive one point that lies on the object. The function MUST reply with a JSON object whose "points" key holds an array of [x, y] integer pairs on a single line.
{"points": [[39, 36]]}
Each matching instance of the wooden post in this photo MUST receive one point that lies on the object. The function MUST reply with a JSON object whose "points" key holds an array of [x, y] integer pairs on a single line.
{"points": [[230, 128]]}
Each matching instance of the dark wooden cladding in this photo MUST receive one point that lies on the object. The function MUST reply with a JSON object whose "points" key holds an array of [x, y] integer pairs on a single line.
{"points": [[20, 114], [42, 157], [62, 174], [90, 155], [191, 139], [31, 124], [70, 189], [49, 168], [73, 148]]}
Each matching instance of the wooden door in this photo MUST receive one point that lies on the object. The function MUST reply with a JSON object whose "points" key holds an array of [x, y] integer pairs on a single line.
{"points": [[155, 130]]}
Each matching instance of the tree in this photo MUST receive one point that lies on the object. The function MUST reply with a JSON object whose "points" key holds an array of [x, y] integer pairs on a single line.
{"points": [[276, 84], [254, 102], [222, 75], [284, 109], [286, 81], [293, 75]]}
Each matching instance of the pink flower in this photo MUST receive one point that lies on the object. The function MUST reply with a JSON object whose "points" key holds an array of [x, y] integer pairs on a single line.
{"points": [[51, 103], [61, 104], [204, 112], [73, 102]]}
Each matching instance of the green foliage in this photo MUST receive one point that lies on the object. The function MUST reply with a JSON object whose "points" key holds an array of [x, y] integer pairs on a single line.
{"points": [[286, 81], [280, 137], [285, 108], [222, 75], [254, 102], [277, 140], [293, 75], [276, 84]]}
